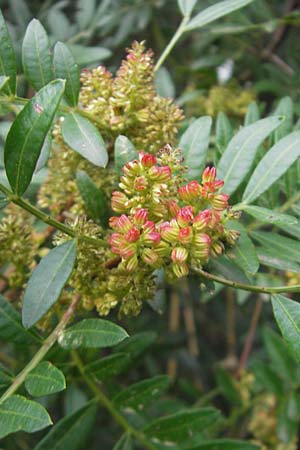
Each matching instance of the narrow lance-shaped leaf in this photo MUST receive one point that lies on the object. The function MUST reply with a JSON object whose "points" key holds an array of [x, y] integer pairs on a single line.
{"points": [[290, 248], [253, 114], [193, 144], [225, 444], [265, 215], [223, 131], [3, 82], [36, 56], [27, 134], [243, 252], [124, 443], [108, 367], [17, 413], [47, 281], [45, 153], [164, 83], [66, 67], [94, 198], [92, 333], [287, 315], [140, 394], [7, 57], [179, 426], [238, 157], [214, 12], [45, 379], [186, 6], [71, 432], [83, 137], [274, 164], [124, 151]]}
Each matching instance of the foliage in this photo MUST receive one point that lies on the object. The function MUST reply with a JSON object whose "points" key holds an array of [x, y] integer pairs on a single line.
{"points": [[165, 187]]}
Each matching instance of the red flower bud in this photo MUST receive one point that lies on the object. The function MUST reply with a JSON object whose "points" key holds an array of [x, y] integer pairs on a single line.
{"points": [[185, 235], [185, 215], [220, 201], [209, 175], [160, 174], [179, 254], [148, 160], [141, 216], [119, 201], [140, 183], [132, 235], [190, 191]]}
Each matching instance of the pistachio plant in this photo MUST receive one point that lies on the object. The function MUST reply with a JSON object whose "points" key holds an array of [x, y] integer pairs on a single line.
{"points": [[132, 197]]}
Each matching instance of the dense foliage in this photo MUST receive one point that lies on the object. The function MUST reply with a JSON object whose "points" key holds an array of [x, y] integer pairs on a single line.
{"points": [[149, 225]]}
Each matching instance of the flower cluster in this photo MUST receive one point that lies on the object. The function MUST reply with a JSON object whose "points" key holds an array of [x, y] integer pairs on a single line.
{"points": [[128, 103], [163, 224]]}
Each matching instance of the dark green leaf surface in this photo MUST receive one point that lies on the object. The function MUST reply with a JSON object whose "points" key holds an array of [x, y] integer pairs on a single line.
{"points": [[285, 247], [71, 432], [238, 157], [11, 328], [36, 56], [27, 134], [243, 253], [108, 367], [274, 164], [140, 394], [44, 155], [193, 144], [94, 198], [47, 281], [214, 12], [124, 443], [92, 333], [65, 67], [225, 444], [124, 151], [83, 137], [45, 379], [265, 215], [287, 314], [17, 413], [7, 57], [180, 426]]}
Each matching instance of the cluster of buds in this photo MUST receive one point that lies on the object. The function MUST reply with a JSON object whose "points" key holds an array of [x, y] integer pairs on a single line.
{"points": [[128, 103], [165, 224]]}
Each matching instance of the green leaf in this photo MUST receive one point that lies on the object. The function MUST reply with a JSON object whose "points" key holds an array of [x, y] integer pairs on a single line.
{"points": [[83, 137], [3, 82], [180, 426], [72, 432], [225, 444], [66, 67], [287, 315], [270, 257], [86, 55], [282, 359], [5, 377], [140, 394], [186, 6], [269, 379], [45, 153], [164, 83], [253, 114], [17, 413], [108, 367], [47, 281], [274, 164], [214, 12], [228, 269], [238, 157], [265, 215], [124, 152], [285, 108], [11, 329], [45, 379], [243, 253], [124, 443], [224, 131], [92, 333], [193, 144], [138, 344], [284, 246], [27, 134], [7, 57], [94, 198], [85, 12], [36, 56]]}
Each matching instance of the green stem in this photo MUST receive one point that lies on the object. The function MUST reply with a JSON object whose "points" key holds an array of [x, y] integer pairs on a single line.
{"points": [[247, 287], [172, 43], [108, 404], [48, 219], [48, 343]]}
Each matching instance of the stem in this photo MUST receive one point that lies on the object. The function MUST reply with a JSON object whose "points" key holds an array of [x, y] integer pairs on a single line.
{"points": [[108, 404], [250, 336], [47, 219], [247, 287], [173, 41], [48, 343]]}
